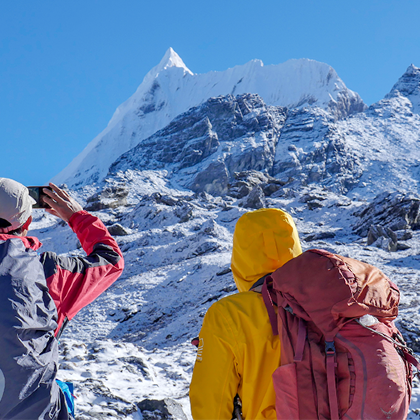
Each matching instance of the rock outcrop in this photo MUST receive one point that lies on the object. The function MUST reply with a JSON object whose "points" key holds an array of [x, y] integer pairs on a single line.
{"points": [[166, 409], [390, 210]]}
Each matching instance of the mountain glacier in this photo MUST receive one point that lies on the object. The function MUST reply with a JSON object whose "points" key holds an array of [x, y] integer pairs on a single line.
{"points": [[176, 167]]}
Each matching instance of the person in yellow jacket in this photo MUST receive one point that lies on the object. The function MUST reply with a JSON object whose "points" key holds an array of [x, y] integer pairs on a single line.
{"points": [[237, 351]]}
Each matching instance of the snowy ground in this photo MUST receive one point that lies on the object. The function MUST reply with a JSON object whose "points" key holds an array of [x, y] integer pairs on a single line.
{"points": [[133, 343]]}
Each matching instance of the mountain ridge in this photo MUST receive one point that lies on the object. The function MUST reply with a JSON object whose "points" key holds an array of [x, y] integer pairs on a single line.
{"points": [[171, 88]]}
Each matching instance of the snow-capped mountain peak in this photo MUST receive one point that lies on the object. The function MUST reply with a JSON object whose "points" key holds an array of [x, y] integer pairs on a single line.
{"points": [[408, 86], [170, 89], [170, 59]]}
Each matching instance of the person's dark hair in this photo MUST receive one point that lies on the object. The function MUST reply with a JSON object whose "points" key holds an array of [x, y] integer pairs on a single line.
{"points": [[4, 224], [16, 232]]}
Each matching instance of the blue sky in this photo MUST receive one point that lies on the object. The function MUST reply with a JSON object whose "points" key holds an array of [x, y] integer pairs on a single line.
{"points": [[65, 66]]}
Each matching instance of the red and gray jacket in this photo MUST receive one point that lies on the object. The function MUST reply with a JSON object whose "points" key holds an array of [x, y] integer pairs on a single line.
{"points": [[38, 294], [74, 282]]}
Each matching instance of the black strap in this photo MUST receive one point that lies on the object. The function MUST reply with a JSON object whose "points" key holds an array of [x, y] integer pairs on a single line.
{"points": [[63, 325], [259, 283]]}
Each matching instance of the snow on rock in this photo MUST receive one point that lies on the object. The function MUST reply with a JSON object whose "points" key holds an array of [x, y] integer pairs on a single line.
{"points": [[174, 200], [408, 86], [170, 89], [132, 344], [204, 148], [395, 211]]}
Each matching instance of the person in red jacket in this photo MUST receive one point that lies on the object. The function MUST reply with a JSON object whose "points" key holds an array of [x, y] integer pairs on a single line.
{"points": [[40, 294], [74, 282]]}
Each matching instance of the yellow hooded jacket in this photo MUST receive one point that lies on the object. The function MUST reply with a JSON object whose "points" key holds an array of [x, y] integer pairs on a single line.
{"points": [[238, 353]]}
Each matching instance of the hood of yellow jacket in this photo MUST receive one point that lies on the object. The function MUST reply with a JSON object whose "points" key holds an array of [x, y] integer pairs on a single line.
{"points": [[263, 241]]}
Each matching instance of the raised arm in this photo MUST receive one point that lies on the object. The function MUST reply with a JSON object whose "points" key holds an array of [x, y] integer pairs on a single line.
{"points": [[74, 282]]}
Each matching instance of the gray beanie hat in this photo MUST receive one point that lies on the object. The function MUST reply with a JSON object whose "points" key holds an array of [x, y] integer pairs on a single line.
{"points": [[15, 204]]}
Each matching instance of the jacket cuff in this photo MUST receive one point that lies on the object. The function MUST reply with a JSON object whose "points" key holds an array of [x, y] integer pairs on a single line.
{"points": [[75, 217]]}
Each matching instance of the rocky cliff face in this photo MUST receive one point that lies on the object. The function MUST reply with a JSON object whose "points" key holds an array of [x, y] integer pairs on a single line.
{"points": [[204, 148]]}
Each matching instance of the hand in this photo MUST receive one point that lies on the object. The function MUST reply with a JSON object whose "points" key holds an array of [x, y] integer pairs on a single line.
{"points": [[60, 202]]}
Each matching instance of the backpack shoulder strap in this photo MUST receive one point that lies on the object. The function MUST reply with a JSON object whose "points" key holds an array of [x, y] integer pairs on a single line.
{"points": [[269, 298]]}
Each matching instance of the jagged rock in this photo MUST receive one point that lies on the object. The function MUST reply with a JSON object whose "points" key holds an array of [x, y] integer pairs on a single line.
{"points": [[166, 409], [226, 270], [271, 188], [208, 144], [315, 204], [245, 181], [255, 199], [209, 228], [311, 150], [318, 196], [233, 134], [118, 230], [213, 180], [115, 191], [245, 122], [404, 235], [203, 196], [376, 231], [164, 199], [112, 196], [319, 236], [408, 86], [185, 141], [285, 192], [383, 238], [93, 203], [136, 363], [205, 248], [390, 210], [252, 177], [386, 244], [184, 212], [411, 334]]}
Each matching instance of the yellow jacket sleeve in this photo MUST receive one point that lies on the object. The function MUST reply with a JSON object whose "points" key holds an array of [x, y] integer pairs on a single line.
{"points": [[215, 378]]}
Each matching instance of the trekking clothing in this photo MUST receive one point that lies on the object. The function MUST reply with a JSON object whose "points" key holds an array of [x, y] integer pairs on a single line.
{"points": [[67, 389], [37, 294], [263, 241], [74, 282], [238, 352], [15, 204], [28, 349]]}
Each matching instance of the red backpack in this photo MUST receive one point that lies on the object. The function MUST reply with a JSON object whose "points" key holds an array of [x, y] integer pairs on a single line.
{"points": [[341, 354]]}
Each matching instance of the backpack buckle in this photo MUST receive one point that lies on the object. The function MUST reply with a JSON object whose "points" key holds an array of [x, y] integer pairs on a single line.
{"points": [[329, 348]]}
